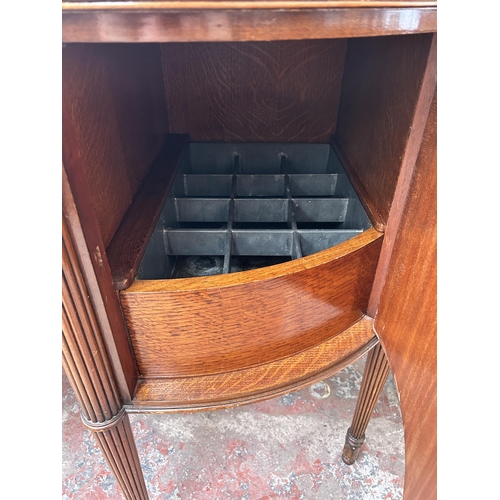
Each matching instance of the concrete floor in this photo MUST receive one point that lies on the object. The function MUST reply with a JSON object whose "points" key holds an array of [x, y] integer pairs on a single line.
{"points": [[285, 448]]}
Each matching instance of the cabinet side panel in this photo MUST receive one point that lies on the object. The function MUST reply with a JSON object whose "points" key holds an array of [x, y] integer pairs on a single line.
{"points": [[117, 105], [380, 89], [406, 320], [90, 266], [286, 91]]}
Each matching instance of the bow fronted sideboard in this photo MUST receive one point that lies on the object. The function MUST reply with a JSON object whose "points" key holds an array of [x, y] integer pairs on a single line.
{"points": [[249, 205]]}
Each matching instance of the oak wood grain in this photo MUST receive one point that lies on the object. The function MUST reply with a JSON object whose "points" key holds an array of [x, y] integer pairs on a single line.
{"points": [[284, 91], [364, 196], [408, 162], [374, 377], [215, 324], [244, 24], [119, 450], [89, 368], [117, 106], [132, 237], [406, 320], [257, 383], [83, 339], [83, 227], [381, 86], [118, 119]]}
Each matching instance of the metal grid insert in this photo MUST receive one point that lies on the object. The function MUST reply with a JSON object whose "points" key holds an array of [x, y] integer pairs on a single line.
{"points": [[247, 206]]}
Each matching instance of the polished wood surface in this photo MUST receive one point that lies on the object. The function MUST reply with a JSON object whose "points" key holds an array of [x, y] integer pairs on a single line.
{"points": [[119, 450], [254, 92], [374, 377], [205, 343], [215, 324], [69, 5], [405, 177], [132, 237], [89, 368], [82, 223], [236, 24], [257, 383], [82, 342], [382, 81], [117, 107], [364, 196], [406, 320]]}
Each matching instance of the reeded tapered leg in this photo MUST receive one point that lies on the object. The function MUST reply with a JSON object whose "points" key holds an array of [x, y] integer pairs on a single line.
{"points": [[87, 365], [374, 377]]}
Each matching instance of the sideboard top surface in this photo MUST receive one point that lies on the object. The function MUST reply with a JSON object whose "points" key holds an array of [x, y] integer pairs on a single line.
{"points": [[73, 5], [149, 21]]}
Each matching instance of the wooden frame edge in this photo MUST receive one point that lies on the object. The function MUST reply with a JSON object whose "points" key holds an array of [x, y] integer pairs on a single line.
{"points": [[161, 5], [373, 214], [125, 264], [243, 21], [363, 328], [267, 273]]}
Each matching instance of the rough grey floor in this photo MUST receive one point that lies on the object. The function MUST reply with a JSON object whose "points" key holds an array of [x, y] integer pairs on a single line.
{"points": [[285, 448]]}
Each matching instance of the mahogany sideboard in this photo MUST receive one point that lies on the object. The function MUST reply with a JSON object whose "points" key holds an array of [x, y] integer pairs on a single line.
{"points": [[145, 83]]}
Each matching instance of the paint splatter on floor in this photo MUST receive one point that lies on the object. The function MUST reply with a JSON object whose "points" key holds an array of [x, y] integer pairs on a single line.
{"points": [[285, 448]]}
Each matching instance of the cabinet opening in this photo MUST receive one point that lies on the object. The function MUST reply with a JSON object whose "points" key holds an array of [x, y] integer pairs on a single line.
{"points": [[350, 102]]}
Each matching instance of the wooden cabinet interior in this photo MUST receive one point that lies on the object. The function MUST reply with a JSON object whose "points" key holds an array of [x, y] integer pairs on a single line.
{"points": [[124, 98], [169, 351]]}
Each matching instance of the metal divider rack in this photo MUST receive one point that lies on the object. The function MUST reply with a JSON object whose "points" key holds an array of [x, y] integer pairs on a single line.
{"points": [[235, 207]]}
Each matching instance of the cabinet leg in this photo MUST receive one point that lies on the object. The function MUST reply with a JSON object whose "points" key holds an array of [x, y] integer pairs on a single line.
{"points": [[88, 367], [116, 441], [374, 377]]}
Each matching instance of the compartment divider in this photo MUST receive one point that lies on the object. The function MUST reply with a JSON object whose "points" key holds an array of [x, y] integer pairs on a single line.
{"points": [[242, 211], [261, 210], [313, 184], [315, 240], [201, 209], [320, 209], [202, 185], [195, 241], [296, 250], [258, 242], [230, 219], [260, 185]]}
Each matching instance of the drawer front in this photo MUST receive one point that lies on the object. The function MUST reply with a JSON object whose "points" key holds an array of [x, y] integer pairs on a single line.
{"points": [[217, 324]]}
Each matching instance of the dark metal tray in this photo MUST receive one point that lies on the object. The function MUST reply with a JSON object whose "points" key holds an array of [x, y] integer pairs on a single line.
{"points": [[235, 207]]}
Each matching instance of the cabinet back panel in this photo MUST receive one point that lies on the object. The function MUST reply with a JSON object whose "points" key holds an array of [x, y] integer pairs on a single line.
{"points": [[118, 109], [286, 91], [381, 85]]}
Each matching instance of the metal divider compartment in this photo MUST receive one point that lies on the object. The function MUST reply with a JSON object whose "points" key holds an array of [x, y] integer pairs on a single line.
{"points": [[234, 207]]}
